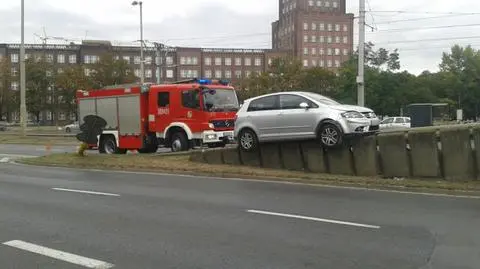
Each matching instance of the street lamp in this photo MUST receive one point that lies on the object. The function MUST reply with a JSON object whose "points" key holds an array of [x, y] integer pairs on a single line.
{"points": [[142, 61], [23, 106]]}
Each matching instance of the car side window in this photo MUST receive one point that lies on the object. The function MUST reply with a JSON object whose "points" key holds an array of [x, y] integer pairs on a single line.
{"points": [[264, 103], [407, 120], [387, 121], [290, 101], [191, 99], [399, 120], [163, 99]]}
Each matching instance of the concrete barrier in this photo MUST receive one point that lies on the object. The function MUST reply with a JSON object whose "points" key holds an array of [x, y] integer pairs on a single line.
{"points": [[365, 157], [394, 155], [250, 158], [314, 157], [270, 154], [424, 153], [213, 156], [340, 162], [197, 156], [231, 156], [292, 156], [457, 154]]}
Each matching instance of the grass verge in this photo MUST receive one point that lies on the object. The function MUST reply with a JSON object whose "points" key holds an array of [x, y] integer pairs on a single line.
{"points": [[180, 164], [37, 140]]}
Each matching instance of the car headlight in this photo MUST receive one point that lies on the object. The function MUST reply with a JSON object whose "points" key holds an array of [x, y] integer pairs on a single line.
{"points": [[211, 126], [352, 115]]}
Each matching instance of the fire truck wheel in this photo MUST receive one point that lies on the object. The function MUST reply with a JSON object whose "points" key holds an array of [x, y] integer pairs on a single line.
{"points": [[179, 142], [109, 146]]}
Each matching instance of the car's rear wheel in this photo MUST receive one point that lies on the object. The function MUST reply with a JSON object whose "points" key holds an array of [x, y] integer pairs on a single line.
{"points": [[330, 135], [248, 140], [68, 130], [179, 142]]}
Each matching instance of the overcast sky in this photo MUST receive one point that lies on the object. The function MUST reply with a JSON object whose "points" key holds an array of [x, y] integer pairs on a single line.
{"points": [[242, 23]]}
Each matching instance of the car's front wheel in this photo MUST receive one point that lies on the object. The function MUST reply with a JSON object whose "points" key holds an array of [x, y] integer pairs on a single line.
{"points": [[330, 135], [248, 140]]}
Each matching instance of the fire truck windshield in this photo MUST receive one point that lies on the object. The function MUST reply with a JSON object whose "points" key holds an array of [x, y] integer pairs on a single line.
{"points": [[220, 100]]}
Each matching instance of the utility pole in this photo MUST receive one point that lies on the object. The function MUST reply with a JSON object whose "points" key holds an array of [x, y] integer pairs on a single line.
{"points": [[361, 56], [23, 106], [158, 61]]}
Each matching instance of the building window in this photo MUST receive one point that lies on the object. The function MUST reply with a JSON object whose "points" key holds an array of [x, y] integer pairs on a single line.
{"points": [[329, 40], [126, 59], [305, 63], [322, 51], [345, 52], [269, 61], [183, 61], [218, 61], [335, 4], [148, 60], [327, 4], [337, 51], [228, 61], [208, 73], [13, 71], [305, 26], [319, 3], [137, 72], [238, 74], [329, 63], [337, 27], [60, 58], [136, 60], [248, 61], [169, 60], [14, 58], [330, 27], [314, 26], [337, 63], [228, 74], [314, 51], [345, 40], [310, 3], [238, 61], [345, 28], [208, 61], [322, 26], [337, 39], [314, 38], [322, 63], [148, 73], [49, 113], [73, 116], [14, 86], [321, 39], [169, 73], [258, 62], [218, 73], [62, 116], [329, 52], [50, 58], [305, 38], [314, 62], [248, 73], [305, 51], [194, 60]]}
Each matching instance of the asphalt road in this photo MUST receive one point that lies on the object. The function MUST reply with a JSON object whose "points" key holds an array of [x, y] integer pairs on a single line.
{"points": [[165, 221]]}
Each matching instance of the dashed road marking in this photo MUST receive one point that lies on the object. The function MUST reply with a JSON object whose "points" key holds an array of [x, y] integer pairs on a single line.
{"points": [[87, 192]]}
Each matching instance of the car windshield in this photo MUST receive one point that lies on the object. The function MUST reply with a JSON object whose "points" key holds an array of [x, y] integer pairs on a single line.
{"points": [[220, 100], [322, 99]]}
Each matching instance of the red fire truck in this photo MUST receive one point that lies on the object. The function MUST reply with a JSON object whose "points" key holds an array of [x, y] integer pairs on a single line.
{"points": [[181, 115]]}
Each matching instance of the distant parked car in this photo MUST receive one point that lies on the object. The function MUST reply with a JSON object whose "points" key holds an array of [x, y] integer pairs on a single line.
{"points": [[72, 127], [395, 123], [298, 116]]}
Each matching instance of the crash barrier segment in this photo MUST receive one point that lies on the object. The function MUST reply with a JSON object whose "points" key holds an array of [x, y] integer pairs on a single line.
{"points": [[434, 152]]}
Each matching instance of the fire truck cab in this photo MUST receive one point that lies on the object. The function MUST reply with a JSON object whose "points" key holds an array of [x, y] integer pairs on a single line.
{"points": [[180, 116]]}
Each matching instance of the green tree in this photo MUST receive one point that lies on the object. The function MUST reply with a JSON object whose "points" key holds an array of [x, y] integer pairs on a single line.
{"points": [[39, 80], [109, 71], [68, 82], [5, 88]]}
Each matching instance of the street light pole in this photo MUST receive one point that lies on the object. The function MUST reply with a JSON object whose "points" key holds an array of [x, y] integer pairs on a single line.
{"points": [[361, 56], [23, 106], [142, 60]]}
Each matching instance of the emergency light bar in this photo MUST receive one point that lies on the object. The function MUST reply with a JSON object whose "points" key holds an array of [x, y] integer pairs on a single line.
{"points": [[204, 81]]}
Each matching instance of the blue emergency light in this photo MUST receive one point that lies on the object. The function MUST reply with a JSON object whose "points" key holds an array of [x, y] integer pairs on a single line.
{"points": [[204, 81]]}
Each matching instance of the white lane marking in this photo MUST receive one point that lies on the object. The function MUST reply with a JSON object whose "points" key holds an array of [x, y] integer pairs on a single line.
{"points": [[87, 192], [286, 182], [314, 219], [17, 156], [59, 255]]}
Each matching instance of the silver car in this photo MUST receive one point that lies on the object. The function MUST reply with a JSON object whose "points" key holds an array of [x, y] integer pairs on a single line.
{"points": [[300, 116]]}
